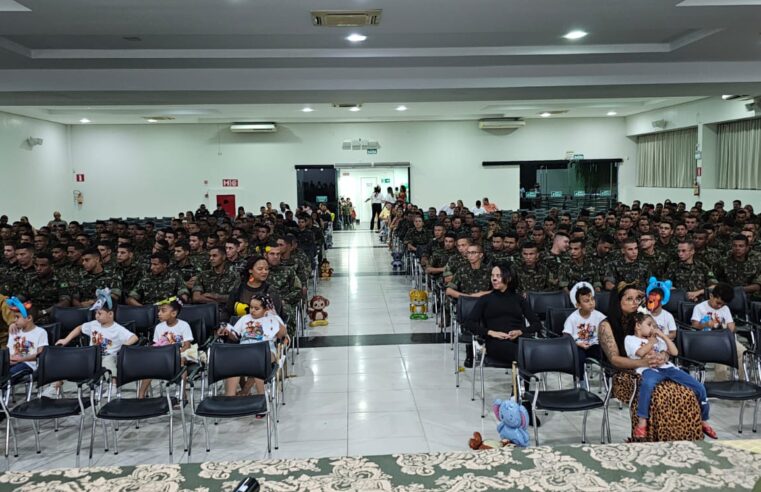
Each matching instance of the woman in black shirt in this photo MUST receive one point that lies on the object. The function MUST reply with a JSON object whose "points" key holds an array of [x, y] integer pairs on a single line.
{"points": [[502, 315]]}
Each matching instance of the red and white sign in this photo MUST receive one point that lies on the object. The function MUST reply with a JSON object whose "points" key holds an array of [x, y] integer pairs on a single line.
{"points": [[80, 178], [230, 183]]}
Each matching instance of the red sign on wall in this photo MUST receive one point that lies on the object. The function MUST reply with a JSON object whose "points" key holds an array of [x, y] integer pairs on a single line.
{"points": [[230, 183], [80, 178]]}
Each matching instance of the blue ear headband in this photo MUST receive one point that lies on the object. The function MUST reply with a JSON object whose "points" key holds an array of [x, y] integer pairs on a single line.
{"points": [[663, 286], [103, 299], [17, 305]]}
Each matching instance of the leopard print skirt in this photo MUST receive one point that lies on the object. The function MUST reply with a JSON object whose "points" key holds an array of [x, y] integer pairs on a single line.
{"points": [[674, 409]]}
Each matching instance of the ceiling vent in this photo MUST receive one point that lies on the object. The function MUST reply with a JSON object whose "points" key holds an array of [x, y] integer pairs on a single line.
{"points": [[501, 124], [158, 118], [346, 18], [253, 127]]}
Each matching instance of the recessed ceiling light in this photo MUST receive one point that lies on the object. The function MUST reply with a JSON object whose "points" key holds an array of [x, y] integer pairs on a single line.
{"points": [[84, 120], [356, 38], [401, 107], [612, 113], [545, 114], [573, 35], [152, 120], [354, 109], [307, 110]]}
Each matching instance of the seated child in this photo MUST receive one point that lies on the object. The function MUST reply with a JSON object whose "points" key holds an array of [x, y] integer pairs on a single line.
{"points": [[583, 323], [260, 325], [26, 341], [663, 318], [170, 331], [103, 332], [713, 314], [643, 337]]}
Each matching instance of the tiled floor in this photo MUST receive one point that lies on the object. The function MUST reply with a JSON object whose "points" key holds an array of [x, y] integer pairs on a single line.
{"points": [[375, 399]]}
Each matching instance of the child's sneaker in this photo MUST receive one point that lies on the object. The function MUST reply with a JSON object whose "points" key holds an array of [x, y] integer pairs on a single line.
{"points": [[640, 432], [708, 431]]}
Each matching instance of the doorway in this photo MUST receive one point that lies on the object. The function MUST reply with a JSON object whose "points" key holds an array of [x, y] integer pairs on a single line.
{"points": [[357, 183], [228, 204]]}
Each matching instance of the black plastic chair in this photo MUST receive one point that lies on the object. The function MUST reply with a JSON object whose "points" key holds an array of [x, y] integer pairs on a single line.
{"points": [[602, 301], [54, 332], [676, 297], [719, 346], [233, 360], [741, 314], [684, 314], [536, 356], [136, 363], [70, 318], [555, 321], [144, 318], [540, 302], [207, 312], [755, 312], [463, 329], [81, 365], [5, 393]]}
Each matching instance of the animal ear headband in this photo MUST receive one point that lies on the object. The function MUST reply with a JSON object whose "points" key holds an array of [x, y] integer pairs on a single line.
{"points": [[16, 305], [577, 287], [103, 299], [169, 300]]}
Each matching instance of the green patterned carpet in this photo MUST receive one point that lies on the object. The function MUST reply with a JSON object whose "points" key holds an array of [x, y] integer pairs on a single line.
{"points": [[624, 467]]}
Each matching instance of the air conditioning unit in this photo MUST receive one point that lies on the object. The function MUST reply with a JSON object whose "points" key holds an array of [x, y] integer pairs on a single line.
{"points": [[501, 124], [253, 127]]}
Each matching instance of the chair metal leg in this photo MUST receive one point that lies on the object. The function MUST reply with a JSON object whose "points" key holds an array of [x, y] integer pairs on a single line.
{"points": [[36, 436], [171, 432], [473, 379], [742, 410], [92, 437], [536, 427], [584, 428], [755, 416], [79, 437], [269, 435], [184, 427], [15, 441], [116, 439], [105, 436], [483, 389], [206, 431], [602, 425], [7, 436]]}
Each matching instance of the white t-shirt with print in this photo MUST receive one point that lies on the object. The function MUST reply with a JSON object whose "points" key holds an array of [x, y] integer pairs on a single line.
{"points": [[177, 334], [633, 344], [703, 312], [665, 321], [109, 339], [253, 330], [584, 329], [26, 343]]}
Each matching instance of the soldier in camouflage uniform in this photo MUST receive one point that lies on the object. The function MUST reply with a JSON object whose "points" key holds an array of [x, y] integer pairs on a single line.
{"points": [[511, 252], [458, 260], [416, 237], [94, 277], [579, 268], [557, 255], [130, 270], [688, 274], [656, 260], [198, 255], [236, 262], [20, 276], [292, 257], [473, 278], [159, 284], [666, 241], [438, 260], [45, 290], [284, 280], [629, 269], [108, 259], [215, 284], [8, 269], [434, 245], [306, 239], [741, 268], [704, 253], [182, 264], [531, 275]]}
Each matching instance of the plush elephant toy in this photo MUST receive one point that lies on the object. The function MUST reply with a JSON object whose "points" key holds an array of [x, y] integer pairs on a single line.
{"points": [[513, 421]]}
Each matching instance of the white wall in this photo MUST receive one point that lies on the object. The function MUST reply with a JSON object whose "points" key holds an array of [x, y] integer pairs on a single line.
{"points": [[35, 180], [704, 114], [156, 170]]}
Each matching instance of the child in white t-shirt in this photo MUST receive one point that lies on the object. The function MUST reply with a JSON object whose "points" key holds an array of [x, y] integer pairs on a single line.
{"points": [[25, 342], [714, 314], [170, 331], [583, 324], [643, 337], [261, 325], [664, 319]]}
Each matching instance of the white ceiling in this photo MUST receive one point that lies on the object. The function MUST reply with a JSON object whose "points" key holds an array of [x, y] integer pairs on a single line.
{"points": [[265, 52]]}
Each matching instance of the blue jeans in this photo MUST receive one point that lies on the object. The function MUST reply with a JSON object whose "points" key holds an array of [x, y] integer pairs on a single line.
{"points": [[651, 378]]}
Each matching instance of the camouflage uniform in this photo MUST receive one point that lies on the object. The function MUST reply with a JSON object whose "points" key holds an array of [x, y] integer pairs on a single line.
{"points": [[131, 274], [469, 280], [636, 272], [283, 278], [657, 263], [456, 261], [690, 276], [669, 249], [19, 278], [304, 263], [238, 266], [554, 262], [211, 282], [152, 288], [200, 260], [710, 256], [187, 271], [417, 238], [741, 273], [8, 275], [440, 257], [572, 273], [533, 279], [88, 283], [44, 293]]}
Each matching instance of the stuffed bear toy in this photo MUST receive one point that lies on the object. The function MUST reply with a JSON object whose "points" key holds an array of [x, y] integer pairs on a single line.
{"points": [[513, 421], [396, 260], [316, 311], [325, 271], [418, 304], [477, 442]]}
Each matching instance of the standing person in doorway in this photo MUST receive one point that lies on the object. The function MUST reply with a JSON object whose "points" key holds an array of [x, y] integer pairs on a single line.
{"points": [[376, 200]]}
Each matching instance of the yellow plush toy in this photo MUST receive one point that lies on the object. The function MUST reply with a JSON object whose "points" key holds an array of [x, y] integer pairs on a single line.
{"points": [[418, 304]]}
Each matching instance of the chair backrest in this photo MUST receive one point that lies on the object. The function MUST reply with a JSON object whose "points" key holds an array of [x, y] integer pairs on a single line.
{"points": [[135, 362], [684, 313], [556, 319], [54, 332], [143, 316], [677, 296], [207, 312], [548, 355], [465, 307], [199, 331], [739, 305], [5, 362], [230, 360], [233, 320], [540, 302], [602, 301], [755, 312], [70, 318], [67, 364], [715, 346]]}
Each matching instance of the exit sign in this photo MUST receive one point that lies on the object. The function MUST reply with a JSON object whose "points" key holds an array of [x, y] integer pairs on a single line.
{"points": [[230, 183]]}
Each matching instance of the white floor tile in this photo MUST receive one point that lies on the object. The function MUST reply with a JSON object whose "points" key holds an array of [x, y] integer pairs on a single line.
{"points": [[384, 425], [381, 401]]}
